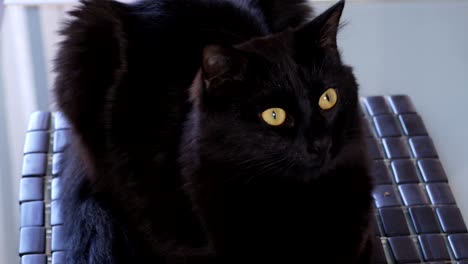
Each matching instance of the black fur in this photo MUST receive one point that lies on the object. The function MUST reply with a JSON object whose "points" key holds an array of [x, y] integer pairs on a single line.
{"points": [[170, 161]]}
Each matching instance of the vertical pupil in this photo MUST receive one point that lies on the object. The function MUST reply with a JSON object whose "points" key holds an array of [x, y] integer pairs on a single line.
{"points": [[273, 113], [327, 97]]}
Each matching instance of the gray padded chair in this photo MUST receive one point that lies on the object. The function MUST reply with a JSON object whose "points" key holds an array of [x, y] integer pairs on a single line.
{"points": [[417, 215], [40, 234]]}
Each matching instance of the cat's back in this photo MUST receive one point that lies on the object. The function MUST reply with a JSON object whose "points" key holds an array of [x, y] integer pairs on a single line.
{"points": [[167, 36], [197, 22]]}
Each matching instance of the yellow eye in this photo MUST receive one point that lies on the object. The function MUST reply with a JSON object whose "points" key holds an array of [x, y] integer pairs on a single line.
{"points": [[274, 116], [328, 99]]}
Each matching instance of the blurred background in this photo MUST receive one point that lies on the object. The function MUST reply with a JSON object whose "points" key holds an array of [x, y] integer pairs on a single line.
{"points": [[413, 47]]}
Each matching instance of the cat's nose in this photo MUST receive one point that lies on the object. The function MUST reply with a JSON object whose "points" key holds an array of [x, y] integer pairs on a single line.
{"points": [[318, 149], [315, 152]]}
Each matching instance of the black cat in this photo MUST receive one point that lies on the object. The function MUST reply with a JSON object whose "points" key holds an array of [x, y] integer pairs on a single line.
{"points": [[210, 131]]}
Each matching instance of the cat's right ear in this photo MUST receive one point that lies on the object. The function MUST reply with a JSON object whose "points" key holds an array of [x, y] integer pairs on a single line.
{"points": [[216, 61], [220, 64]]}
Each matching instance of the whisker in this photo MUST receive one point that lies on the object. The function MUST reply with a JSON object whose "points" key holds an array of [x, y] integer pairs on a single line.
{"points": [[260, 160], [276, 164], [257, 158]]}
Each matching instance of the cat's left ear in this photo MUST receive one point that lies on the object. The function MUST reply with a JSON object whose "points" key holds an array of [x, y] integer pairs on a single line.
{"points": [[220, 64], [322, 31]]}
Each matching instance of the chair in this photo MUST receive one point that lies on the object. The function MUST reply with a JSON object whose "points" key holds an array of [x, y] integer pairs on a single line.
{"points": [[418, 220], [40, 220]]}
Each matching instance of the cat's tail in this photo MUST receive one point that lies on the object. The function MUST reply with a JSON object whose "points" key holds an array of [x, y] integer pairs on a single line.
{"points": [[90, 64]]}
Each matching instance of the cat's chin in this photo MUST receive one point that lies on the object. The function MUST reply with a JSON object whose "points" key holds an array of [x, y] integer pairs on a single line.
{"points": [[305, 174]]}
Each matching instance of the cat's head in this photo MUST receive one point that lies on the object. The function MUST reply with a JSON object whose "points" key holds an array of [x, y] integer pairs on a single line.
{"points": [[281, 104]]}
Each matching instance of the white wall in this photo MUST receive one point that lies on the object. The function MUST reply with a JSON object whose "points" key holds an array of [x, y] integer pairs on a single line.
{"points": [[18, 100], [419, 48]]}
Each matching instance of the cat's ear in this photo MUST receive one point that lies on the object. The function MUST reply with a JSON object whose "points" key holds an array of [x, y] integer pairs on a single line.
{"points": [[322, 31], [216, 61], [221, 63]]}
